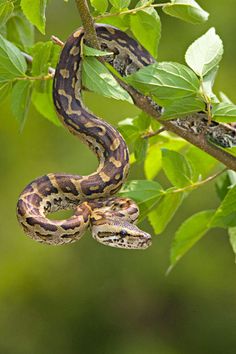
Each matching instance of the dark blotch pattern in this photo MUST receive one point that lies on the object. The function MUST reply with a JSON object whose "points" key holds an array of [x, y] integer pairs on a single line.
{"points": [[66, 185], [46, 226], [33, 199], [21, 207], [45, 186]]}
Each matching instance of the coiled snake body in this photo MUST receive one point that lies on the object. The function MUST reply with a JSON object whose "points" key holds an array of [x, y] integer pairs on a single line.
{"points": [[111, 219]]}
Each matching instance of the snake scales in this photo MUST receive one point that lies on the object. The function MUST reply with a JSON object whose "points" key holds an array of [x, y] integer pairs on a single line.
{"points": [[111, 219]]}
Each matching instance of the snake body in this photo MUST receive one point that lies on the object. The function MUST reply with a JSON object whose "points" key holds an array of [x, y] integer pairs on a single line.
{"points": [[111, 219]]}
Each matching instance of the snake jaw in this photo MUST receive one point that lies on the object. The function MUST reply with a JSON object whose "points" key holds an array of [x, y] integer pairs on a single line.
{"points": [[121, 234]]}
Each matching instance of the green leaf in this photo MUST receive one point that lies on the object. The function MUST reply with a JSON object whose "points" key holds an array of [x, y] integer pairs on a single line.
{"points": [[121, 21], [232, 239], [153, 161], [132, 130], [224, 98], [208, 82], [205, 53], [140, 149], [225, 215], [120, 4], [97, 78], [224, 182], [128, 130], [142, 121], [45, 54], [5, 88], [177, 168], [100, 5], [142, 190], [146, 27], [232, 177], [6, 9], [34, 10], [92, 52], [183, 107], [12, 62], [187, 10], [43, 102], [20, 101], [201, 162], [165, 80], [155, 125], [20, 30], [224, 112], [165, 210], [191, 231]]}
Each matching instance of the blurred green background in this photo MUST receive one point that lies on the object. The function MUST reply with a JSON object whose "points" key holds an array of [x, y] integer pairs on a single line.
{"points": [[86, 298]]}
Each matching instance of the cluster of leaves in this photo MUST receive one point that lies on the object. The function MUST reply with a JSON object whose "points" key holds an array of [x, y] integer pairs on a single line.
{"points": [[186, 168], [143, 21], [25, 83], [184, 90], [180, 89]]}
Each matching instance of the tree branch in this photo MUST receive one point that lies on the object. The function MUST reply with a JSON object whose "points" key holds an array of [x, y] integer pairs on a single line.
{"points": [[88, 23], [194, 129]]}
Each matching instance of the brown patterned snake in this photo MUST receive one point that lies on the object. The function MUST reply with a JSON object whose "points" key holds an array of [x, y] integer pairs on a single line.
{"points": [[111, 219]]}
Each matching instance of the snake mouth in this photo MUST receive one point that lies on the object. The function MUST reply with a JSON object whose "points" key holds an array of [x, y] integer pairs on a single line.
{"points": [[146, 241]]}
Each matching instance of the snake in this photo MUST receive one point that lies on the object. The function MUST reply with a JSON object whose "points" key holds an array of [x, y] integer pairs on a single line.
{"points": [[110, 219]]}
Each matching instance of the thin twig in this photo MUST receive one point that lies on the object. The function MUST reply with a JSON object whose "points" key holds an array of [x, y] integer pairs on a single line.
{"points": [[151, 134], [57, 41], [33, 78], [131, 11], [199, 183], [182, 190]]}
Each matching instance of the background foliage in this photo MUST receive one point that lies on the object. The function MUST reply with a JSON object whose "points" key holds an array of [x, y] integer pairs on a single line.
{"points": [[74, 299]]}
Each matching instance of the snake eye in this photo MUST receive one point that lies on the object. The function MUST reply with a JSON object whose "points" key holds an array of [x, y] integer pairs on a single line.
{"points": [[123, 233]]}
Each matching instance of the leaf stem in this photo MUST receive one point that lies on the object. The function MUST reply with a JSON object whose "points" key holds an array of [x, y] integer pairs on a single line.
{"points": [[199, 183], [207, 101], [151, 134], [33, 78], [131, 11]]}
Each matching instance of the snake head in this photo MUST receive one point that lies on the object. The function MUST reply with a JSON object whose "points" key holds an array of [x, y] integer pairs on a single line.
{"points": [[120, 234]]}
